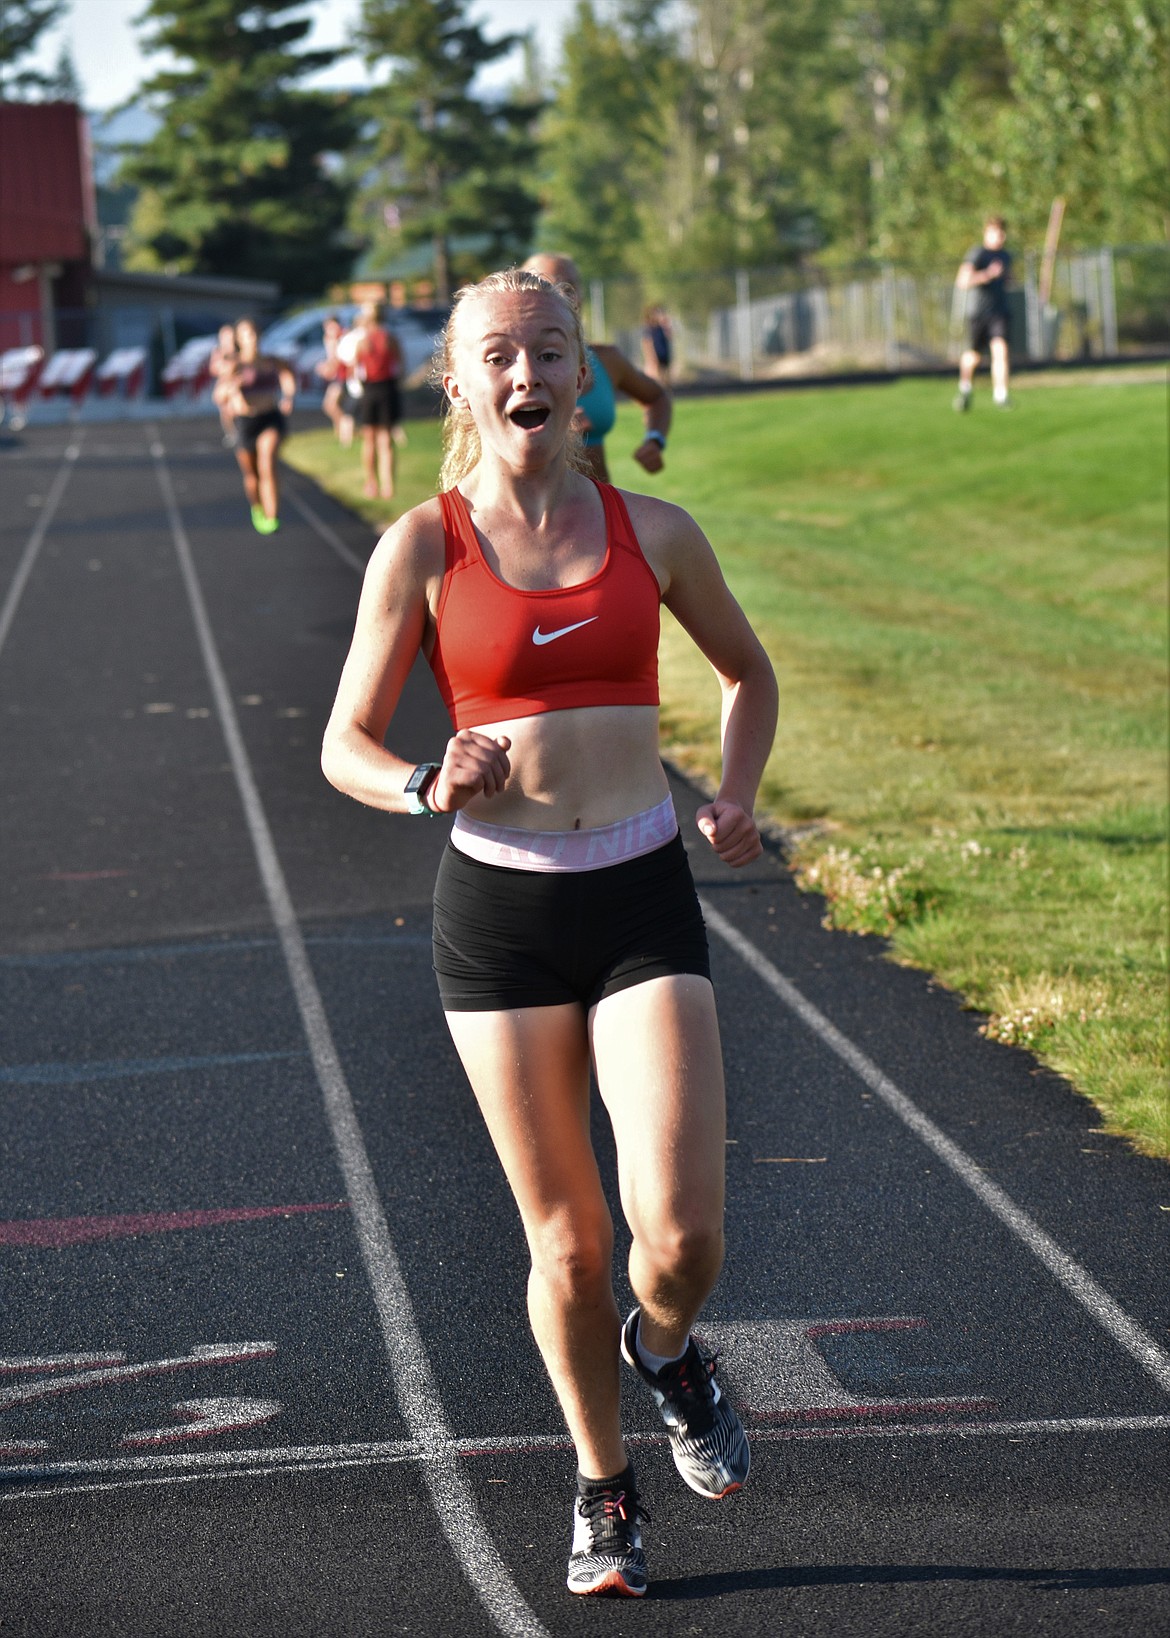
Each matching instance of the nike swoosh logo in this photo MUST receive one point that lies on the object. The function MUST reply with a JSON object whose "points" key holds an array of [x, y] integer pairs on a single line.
{"points": [[541, 637]]}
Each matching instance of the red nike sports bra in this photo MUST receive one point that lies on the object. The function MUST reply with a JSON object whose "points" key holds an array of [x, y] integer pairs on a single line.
{"points": [[502, 652]]}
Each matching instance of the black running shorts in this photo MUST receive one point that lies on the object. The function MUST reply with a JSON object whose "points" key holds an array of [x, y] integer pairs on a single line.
{"points": [[249, 427], [379, 404], [982, 328], [508, 938]]}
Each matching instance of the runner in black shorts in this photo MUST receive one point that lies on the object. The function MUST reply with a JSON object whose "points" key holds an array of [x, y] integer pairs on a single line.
{"points": [[259, 392], [250, 427], [984, 274], [567, 933]]}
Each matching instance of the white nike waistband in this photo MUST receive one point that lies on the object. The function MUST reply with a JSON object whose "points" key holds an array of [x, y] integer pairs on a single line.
{"points": [[551, 850]]}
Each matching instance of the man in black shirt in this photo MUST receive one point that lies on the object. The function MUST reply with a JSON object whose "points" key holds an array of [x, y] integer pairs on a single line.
{"points": [[984, 274]]}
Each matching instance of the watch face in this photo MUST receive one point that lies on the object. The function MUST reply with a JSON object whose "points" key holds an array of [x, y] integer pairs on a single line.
{"points": [[421, 777]]}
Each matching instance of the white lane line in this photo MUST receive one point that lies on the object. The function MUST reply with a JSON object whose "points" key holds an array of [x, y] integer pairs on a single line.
{"points": [[192, 1460], [29, 556], [48, 1479], [1076, 1280], [328, 534], [414, 1384]]}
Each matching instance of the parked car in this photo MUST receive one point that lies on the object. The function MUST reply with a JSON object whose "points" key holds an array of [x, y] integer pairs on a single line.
{"points": [[301, 336]]}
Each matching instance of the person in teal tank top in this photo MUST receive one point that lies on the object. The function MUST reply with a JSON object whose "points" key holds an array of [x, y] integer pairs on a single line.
{"points": [[610, 373], [598, 403]]}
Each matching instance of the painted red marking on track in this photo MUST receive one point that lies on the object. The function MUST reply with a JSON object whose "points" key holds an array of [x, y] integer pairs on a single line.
{"points": [[82, 875], [55, 1232]]}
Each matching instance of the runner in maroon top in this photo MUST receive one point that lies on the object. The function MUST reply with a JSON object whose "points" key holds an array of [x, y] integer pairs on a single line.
{"points": [[259, 392]]}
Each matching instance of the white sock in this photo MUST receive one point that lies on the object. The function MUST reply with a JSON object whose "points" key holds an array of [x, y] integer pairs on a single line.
{"points": [[965, 388], [999, 396], [656, 1362]]}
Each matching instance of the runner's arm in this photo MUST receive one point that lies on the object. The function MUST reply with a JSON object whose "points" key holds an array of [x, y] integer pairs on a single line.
{"points": [[400, 587], [696, 593], [653, 397]]}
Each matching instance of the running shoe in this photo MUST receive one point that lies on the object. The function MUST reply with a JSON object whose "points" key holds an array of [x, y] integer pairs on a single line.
{"points": [[262, 523], [607, 1554], [707, 1439], [962, 401]]}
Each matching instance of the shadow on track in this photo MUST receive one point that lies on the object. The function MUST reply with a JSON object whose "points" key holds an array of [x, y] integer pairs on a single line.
{"points": [[857, 1575]]}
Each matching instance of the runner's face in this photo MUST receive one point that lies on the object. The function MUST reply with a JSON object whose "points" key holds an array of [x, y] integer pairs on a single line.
{"points": [[516, 372]]}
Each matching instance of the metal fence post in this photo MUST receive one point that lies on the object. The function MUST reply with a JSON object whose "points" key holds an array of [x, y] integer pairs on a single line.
{"points": [[743, 324], [597, 309], [1032, 318], [1108, 303], [890, 317]]}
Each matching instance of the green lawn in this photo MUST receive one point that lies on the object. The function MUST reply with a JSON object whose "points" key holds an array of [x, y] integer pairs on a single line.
{"points": [[968, 619]]}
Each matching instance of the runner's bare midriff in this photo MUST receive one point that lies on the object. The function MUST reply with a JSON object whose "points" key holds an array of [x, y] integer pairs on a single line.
{"points": [[576, 769]]}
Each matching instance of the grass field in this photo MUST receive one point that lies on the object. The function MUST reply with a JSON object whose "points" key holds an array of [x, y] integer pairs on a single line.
{"points": [[968, 619]]}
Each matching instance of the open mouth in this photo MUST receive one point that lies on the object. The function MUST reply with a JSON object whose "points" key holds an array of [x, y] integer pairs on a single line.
{"points": [[530, 416]]}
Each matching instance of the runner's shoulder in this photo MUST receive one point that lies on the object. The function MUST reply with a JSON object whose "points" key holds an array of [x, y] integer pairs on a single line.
{"points": [[668, 535], [413, 547], [658, 520]]}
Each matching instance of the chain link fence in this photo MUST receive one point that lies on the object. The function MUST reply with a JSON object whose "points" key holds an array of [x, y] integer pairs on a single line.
{"points": [[765, 324]]}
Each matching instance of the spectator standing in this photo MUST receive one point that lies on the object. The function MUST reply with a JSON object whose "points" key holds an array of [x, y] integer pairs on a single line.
{"points": [[378, 364], [657, 344]]}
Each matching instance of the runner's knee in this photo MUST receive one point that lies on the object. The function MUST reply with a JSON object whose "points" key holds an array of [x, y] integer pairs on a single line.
{"points": [[574, 1259], [690, 1251]]}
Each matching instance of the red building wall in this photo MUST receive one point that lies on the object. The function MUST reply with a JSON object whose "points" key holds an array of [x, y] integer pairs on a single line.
{"points": [[47, 215]]}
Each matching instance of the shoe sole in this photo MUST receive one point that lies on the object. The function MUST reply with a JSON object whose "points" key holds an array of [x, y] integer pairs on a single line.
{"points": [[711, 1495], [610, 1583]]}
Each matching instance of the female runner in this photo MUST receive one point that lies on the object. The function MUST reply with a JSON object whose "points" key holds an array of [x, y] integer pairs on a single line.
{"points": [[334, 372], [222, 364], [260, 395], [567, 930]]}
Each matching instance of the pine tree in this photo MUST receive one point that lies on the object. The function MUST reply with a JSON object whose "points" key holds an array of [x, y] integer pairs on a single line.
{"points": [[237, 181], [64, 82], [443, 164], [22, 22]]}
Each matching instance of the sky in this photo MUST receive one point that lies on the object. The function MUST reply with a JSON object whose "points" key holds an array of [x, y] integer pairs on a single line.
{"points": [[104, 43]]}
